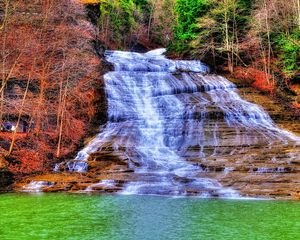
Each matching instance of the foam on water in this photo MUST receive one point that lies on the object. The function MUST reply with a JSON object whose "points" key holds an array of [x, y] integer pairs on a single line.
{"points": [[102, 184], [36, 186]]}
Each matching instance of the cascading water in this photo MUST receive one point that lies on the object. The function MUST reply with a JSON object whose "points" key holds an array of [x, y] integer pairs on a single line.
{"points": [[165, 113]]}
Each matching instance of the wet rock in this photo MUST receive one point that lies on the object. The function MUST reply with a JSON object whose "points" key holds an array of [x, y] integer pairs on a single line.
{"points": [[6, 179]]}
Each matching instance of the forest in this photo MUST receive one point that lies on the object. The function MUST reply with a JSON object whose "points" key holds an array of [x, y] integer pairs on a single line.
{"points": [[253, 39], [48, 82], [51, 87]]}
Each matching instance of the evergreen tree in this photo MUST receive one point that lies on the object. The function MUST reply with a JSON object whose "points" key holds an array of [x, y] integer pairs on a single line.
{"points": [[186, 29], [117, 21]]}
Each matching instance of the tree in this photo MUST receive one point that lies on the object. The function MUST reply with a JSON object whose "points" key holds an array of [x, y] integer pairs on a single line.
{"points": [[185, 30], [276, 27], [46, 49], [163, 22], [221, 30], [117, 22]]}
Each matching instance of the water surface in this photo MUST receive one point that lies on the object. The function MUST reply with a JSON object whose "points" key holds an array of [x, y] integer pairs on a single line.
{"points": [[63, 216]]}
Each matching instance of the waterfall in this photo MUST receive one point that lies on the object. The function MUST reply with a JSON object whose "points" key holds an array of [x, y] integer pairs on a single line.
{"points": [[165, 113]]}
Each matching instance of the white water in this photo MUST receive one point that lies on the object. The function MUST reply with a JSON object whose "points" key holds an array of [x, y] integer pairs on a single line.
{"points": [[162, 112], [103, 183], [36, 186]]}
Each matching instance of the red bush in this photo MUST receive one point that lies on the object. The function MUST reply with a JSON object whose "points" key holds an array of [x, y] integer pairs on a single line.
{"points": [[27, 162], [258, 78]]}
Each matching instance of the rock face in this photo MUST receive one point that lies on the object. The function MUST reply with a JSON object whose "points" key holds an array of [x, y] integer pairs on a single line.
{"points": [[270, 170], [174, 130], [6, 178]]}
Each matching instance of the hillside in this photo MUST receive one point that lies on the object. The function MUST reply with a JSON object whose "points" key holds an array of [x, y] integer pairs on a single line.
{"points": [[252, 40], [51, 81], [52, 94]]}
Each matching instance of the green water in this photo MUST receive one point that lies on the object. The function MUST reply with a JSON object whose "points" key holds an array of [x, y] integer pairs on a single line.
{"points": [[63, 216]]}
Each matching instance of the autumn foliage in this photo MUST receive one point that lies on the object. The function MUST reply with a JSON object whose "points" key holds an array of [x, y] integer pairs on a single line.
{"points": [[47, 45], [257, 78]]}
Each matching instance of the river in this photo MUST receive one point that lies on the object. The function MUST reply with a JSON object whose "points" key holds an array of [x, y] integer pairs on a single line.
{"points": [[76, 216]]}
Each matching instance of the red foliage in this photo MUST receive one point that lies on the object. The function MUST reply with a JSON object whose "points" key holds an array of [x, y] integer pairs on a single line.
{"points": [[48, 43], [258, 78], [28, 162]]}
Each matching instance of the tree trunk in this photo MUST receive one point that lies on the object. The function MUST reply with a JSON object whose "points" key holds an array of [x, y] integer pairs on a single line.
{"points": [[19, 118]]}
